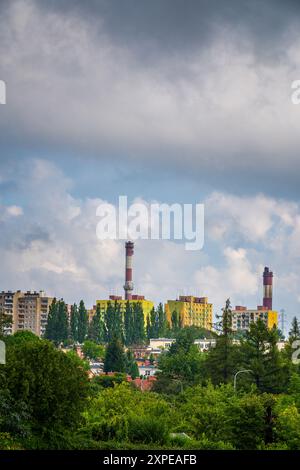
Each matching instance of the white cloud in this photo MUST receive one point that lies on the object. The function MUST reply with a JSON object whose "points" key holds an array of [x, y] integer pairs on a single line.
{"points": [[254, 217], [55, 248], [14, 211], [237, 279]]}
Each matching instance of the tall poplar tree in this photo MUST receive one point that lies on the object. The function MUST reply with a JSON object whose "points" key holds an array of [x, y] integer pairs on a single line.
{"points": [[74, 322], [139, 325], [162, 321], [96, 327], [113, 319], [57, 324], [82, 322], [128, 324], [109, 321], [175, 321], [118, 322], [51, 320], [63, 322], [153, 324]]}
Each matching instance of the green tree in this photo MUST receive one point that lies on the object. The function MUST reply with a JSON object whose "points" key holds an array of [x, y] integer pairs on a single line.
{"points": [[115, 360], [185, 339], [82, 322], [92, 350], [138, 324], [152, 324], [182, 364], [63, 322], [162, 321], [294, 333], [251, 421], [99, 382], [74, 323], [122, 413], [294, 388], [148, 327], [77, 360], [218, 414], [287, 425], [131, 365], [175, 321], [57, 326], [109, 321], [259, 353], [21, 337], [96, 328], [128, 324], [221, 361], [113, 319], [14, 413], [52, 385], [118, 329], [51, 321]]}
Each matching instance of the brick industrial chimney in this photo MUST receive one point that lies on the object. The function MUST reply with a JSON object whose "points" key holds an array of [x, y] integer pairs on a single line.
{"points": [[268, 288], [128, 286]]}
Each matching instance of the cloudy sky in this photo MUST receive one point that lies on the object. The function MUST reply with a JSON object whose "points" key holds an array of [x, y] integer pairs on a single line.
{"points": [[161, 100]]}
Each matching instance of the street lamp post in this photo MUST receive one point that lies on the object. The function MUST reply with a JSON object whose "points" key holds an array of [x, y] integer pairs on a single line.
{"points": [[239, 372]]}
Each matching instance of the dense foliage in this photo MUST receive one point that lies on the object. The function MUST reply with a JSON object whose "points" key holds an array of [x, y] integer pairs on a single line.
{"points": [[200, 400], [42, 392]]}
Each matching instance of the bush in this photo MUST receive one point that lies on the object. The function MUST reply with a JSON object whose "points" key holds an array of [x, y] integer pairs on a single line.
{"points": [[7, 442], [287, 428], [147, 429], [124, 413]]}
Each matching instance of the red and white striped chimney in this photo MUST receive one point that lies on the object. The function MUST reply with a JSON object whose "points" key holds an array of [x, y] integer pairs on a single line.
{"points": [[268, 288], [128, 286]]}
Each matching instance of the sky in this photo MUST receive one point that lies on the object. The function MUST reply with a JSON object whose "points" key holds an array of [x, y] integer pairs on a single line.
{"points": [[166, 101]]}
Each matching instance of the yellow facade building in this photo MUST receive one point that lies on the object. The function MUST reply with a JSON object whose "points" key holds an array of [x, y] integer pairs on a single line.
{"points": [[193, 311], [147, 305]]}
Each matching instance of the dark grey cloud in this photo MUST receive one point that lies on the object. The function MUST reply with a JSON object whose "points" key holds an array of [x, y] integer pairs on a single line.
{"points": [[35, 234], [159, 27], [199, 88]]}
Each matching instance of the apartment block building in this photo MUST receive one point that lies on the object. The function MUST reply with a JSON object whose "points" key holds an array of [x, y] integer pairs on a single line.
{"points": [[29, 310], [193, 311], [147, 305], [243, 316]]}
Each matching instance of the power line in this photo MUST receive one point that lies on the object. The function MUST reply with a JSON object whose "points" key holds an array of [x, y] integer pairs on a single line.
{"points": [[282, 319]]}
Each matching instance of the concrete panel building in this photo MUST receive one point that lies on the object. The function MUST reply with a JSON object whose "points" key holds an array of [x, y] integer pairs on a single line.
{"points": [[147, 305], [29, 310], [243, 316], [193, 311]]}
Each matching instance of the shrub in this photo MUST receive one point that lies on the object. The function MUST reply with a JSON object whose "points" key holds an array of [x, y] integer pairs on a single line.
{"points": [[147, 429]]}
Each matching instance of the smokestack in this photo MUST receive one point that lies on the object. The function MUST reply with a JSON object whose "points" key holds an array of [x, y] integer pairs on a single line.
{"points": [[128, 286], [268, 288]]}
